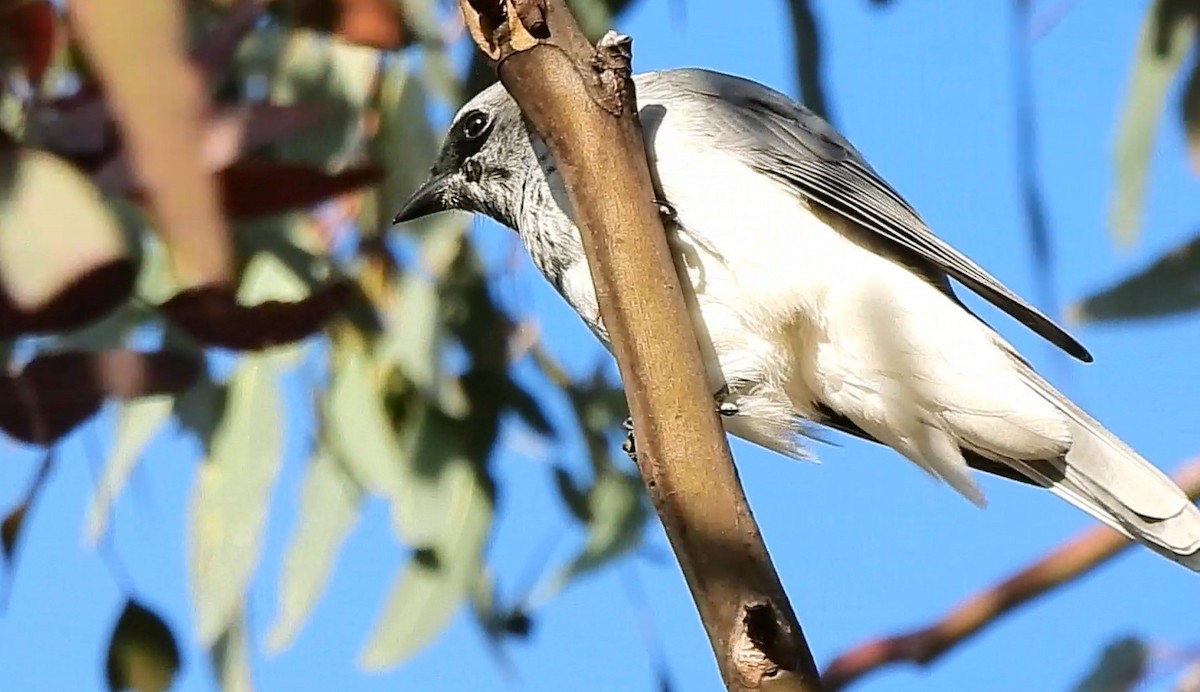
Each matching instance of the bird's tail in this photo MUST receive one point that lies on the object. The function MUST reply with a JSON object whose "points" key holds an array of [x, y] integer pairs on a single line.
{"points": [[1104, 477]]}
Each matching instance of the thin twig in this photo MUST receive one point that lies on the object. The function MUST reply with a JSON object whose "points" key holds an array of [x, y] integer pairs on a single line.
{"points": [[1065, 564]]}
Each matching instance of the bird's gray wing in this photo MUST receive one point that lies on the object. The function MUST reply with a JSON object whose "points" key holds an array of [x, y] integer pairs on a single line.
{"points": [[786, 141]]}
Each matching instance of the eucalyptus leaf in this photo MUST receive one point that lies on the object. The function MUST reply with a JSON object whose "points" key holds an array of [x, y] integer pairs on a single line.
{"points": [[312, 69], [200, 409], [1171, 285], [137, 423], [1189, 113], [232, 493], [412, 336], [616, 514], [530, 411], [54, 228], [405, 143], [329, 507], [357, 428], [142, 652], [1121, 667], [1166, 37], [806, 36], [231, 656], [432, 587], [575, 499]]}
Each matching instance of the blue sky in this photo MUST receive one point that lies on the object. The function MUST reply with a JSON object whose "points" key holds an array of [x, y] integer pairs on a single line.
{"points": [[864, 542]]}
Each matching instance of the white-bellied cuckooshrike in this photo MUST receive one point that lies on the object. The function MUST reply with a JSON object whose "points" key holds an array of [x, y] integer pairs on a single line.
{"points": [[826, 297]]}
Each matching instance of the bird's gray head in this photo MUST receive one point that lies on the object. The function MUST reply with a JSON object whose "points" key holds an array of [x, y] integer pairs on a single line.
{"points": [[482, 164]]}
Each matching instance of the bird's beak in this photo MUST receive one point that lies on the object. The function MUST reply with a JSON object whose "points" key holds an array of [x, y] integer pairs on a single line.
{"points": [[428, 199]]}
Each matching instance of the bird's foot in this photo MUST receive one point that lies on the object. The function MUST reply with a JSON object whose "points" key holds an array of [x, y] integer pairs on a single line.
{"points": [[629, 446], [723, 407], [666, 211]]}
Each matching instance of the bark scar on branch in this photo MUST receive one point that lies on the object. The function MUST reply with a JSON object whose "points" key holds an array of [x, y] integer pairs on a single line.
{"points": [[759, 644]]}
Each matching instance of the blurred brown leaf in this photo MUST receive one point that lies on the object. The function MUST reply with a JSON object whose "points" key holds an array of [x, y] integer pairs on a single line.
{"points": [[142, 653], [57, 391], [159, 102], [373, 23], [27, 29], [214, 52], [78, 128], [228, 134], [63, 255], [212, 315], [85, 299], [254, 188]]}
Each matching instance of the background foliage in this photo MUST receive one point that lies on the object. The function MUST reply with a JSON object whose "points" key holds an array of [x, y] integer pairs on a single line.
{"points": [[195, 243]]}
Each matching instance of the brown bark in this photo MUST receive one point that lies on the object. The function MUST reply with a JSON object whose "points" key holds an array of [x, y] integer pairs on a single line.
{"points": [[1061, 566], [581, 102]]}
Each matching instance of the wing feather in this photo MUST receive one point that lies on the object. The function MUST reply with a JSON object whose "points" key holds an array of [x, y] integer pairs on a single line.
{"points": [[788, 142]]}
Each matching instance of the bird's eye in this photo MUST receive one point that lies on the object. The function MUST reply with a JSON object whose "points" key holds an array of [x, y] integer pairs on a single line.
{"points": [[475, 125]]}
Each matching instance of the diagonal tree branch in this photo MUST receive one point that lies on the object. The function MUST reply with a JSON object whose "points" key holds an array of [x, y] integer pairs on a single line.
{"points": [[1060, 567], [581, 102]]}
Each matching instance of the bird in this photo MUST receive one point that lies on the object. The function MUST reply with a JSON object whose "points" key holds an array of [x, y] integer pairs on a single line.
{"points": [[827, 299]]}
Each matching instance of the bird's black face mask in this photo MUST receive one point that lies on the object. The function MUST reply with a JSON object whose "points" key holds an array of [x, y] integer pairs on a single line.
{"points": [[456, 165]]}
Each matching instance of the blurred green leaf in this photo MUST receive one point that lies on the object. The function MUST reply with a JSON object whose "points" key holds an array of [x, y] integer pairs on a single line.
{"points": [[491, 618], [528, 408], [200, 409], [357, 429], [616, 513], [137, 422], [1169, 286], [231, 656], [594, 16], [1189, 112], [1121, 667], [142, 653], [806, 37], [440, 76], [456, 515], [109, 332], [1166, 37], [405, 143], [232, 495], [572, 496], [329, 506], [312, 69], [412, 337]]}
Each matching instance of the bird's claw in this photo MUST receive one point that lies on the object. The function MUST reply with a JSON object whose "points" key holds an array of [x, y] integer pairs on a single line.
{"points": [[666, 211], [629, 446], [723, 407]]}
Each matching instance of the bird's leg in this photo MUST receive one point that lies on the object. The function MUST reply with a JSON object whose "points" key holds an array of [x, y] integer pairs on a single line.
{"points": [[723, 407], [666, 211], [629, 446]]}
